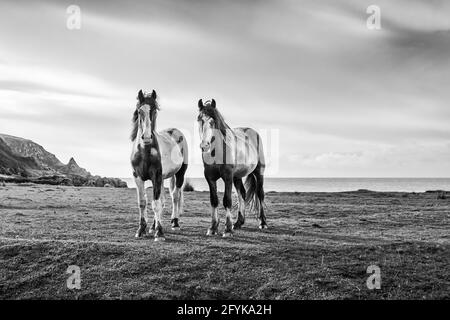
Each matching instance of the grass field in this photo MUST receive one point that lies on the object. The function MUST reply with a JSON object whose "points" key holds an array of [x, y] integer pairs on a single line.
{"points": [[318, 246]]}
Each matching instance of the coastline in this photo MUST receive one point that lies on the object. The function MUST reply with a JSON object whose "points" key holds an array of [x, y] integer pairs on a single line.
{"points": [[17, 182], [65, 180], [333, 184]]}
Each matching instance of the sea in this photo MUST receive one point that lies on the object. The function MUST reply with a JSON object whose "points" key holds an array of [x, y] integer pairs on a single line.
{"points": [[333, 184]]}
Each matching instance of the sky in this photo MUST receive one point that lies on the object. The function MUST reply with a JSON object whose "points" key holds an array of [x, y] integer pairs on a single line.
{"points": [[332, 97]]}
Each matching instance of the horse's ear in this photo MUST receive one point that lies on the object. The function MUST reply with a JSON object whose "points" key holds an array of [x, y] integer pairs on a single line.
{"points": [[154, 96], [213, 103], [141, 96], [200, 104]]}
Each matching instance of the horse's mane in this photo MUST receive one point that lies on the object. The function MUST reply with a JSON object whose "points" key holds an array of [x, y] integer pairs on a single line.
{"points": [[135, 128], [213, 113], [221, 125], [154, 105]]}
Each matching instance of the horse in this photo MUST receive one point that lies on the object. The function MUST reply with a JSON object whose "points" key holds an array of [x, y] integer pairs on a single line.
{"points": [[231, 154], [156, 156]]}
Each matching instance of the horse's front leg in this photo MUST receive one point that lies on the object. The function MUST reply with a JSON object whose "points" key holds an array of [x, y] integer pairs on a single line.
{"points": [[158, 207], [214, 204], [142, 202]]}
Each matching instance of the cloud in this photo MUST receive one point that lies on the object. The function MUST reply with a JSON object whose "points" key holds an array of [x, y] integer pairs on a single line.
{"points": [[31, 78], [347, 100]]}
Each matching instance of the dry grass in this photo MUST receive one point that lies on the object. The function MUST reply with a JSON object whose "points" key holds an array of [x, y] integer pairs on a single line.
{"points": [[318, 247]]}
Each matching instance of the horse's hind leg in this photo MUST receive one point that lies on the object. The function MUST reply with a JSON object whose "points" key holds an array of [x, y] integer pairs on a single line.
{"points": [[240, 189], [260, 194], [227, 203], [157, 206], [175, 195], [176, 185], [163, 194]]}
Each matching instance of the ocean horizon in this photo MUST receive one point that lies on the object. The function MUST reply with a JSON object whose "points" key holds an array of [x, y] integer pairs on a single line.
{"points": [[332, 184]]}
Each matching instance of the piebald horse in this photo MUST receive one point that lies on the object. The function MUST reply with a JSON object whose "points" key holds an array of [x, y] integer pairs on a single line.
{"points": [[157, 156], [231, 154]]}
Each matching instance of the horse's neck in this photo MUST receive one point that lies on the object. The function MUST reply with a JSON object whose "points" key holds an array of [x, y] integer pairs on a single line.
{"points": [[229, 137]]}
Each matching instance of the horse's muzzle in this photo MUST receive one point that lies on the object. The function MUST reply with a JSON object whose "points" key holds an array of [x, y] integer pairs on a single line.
{"points": [[205, 146], [147, 139]]}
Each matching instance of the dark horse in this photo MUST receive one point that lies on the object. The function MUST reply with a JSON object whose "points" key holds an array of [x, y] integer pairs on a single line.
{"points": [[231, 154], [157, 156]]}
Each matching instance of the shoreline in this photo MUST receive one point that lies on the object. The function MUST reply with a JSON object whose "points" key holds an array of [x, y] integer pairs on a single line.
{"points": [[358, 191], [333, 184]]}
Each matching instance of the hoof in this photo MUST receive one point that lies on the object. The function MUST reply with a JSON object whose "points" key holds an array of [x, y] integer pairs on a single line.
{"points": [[158, 239], [143, 230], [175, 225], [227, 235], [237, 226], [211, 232], [139, 234], [263, 226], [176, 228]]}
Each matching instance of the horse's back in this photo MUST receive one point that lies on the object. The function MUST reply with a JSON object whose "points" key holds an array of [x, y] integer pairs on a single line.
{"points": [[249, 150], [254, 139]]}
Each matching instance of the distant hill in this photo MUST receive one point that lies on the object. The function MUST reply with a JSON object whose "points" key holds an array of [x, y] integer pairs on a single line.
{"points": [[13, 164], [73, 168], [28, 148], [22, 160]]}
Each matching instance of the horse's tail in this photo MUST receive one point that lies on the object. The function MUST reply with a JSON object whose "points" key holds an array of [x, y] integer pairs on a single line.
{"points": [[254, 193], [254, 184]]}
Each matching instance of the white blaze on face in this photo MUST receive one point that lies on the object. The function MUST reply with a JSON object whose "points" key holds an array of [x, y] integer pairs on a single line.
{"points": [[206, 132], [145, 124]]}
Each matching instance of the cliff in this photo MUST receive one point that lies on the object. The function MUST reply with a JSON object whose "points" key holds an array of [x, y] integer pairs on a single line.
{"points": [[13, 164], [28, 148], [22, 160]]}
